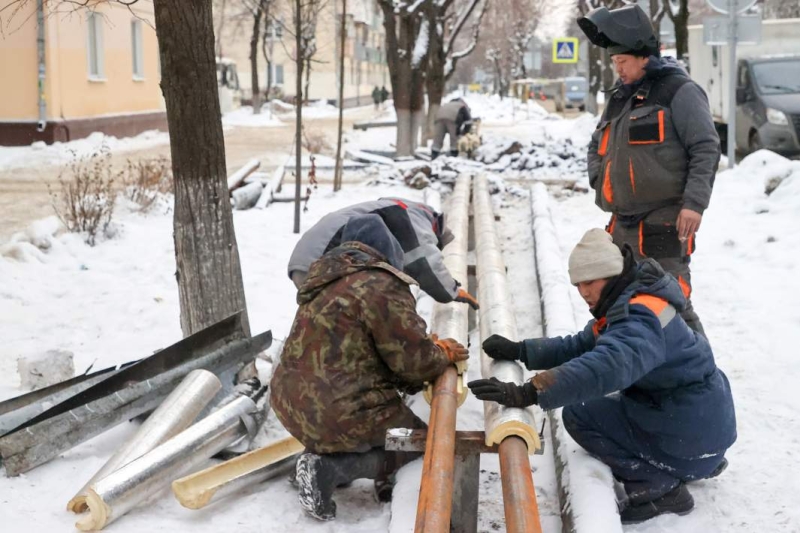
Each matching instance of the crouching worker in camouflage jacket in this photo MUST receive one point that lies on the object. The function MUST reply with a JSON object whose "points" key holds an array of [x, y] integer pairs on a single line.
{"points": [[355, 345], [640, 389]]}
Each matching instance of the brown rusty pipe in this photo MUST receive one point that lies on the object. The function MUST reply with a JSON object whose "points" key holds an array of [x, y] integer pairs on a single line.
{"points": [[436, 490], [519, 496]]}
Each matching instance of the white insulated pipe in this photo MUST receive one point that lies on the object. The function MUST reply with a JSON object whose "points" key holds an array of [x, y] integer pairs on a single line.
{"points": [[176, 413], [143, 478], [450, 320], [497, 317]]}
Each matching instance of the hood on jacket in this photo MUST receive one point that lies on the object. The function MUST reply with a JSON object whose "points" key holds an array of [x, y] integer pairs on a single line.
{"points": [[650, 279], [370, 229], [344, 260], [658, 67]]}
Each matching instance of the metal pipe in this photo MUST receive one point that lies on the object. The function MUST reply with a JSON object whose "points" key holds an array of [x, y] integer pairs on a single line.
{"points": [[512, 428], [435, 496], [175, 414], [40, 50], [37, 444], [121, 491], [519, 495], [197, 490]]}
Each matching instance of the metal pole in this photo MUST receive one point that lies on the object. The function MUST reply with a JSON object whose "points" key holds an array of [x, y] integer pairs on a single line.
{"points": [[40, 50], [732, 83]]}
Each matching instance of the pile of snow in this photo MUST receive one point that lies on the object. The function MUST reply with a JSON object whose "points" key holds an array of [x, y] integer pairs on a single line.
{"points": [[244, 117], [492, 109], [546, 158], [40, 153]]}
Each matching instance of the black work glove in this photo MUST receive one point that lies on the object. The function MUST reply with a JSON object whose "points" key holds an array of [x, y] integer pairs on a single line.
{"points": [[508, 394], [498, 347]]}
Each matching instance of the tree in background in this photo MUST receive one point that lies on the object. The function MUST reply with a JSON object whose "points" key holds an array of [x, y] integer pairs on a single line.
{"points": [[407, 47], [450, 17], [259, 11], [678, 13], [510, 30]]}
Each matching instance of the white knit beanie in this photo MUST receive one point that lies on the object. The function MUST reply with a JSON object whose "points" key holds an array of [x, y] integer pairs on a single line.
{"points": [[595, 257]]}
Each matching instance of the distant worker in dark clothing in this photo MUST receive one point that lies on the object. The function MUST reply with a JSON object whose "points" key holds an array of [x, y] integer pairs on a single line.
{"points": [[376, 97], [453, 119], [419, 229], [640, 389], [384, 96], [356, 343], [654, 155]]}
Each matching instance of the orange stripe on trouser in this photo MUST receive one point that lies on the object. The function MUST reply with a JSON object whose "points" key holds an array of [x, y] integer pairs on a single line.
{"points": [[641, 239], [686, 289], [611, 224]]}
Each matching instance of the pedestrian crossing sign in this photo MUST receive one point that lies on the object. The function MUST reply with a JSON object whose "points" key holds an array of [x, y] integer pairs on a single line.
{"points": [[565, 50]]}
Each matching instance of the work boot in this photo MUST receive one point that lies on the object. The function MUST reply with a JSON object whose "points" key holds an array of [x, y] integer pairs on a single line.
{"points": [[315, 484], [453, 153], [719, 469], [678, 501], [435, 154], [384, 489]]}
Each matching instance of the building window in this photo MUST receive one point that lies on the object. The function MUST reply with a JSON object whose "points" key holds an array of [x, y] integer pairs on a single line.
{"points": [[278, 74], [94, 45], [136, 49]]}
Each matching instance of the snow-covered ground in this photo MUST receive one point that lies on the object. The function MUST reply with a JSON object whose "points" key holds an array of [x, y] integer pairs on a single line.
{"points": [[118, 301], [40, 153]]}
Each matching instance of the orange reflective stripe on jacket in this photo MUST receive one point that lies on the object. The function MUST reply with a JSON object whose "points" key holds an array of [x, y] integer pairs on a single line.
{"points": [[630, 171], [653, 303], [608, 192], [603, 150]]}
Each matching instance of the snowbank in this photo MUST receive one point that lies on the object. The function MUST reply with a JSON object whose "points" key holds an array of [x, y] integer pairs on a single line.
{"points": [[40, 153], [244, 117]]}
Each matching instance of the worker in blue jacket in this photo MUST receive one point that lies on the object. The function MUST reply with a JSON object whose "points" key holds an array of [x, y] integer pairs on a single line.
{"points": [[640, 389]]}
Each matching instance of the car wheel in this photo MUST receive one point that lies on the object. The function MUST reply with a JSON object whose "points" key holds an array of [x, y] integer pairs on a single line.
{"points": [[755, 142]]}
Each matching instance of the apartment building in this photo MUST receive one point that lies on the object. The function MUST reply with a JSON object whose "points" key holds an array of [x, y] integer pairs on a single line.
{"points": [[69, 73]]}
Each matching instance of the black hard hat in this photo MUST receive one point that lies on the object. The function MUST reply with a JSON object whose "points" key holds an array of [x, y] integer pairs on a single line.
{"points": [[626, 28]]}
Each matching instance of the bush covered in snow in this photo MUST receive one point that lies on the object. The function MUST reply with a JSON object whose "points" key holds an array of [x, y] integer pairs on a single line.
{"points": [[85, 200]]}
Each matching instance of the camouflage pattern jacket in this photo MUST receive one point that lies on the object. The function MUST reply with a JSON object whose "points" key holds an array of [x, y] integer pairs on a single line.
{"points": [[356, 341]]}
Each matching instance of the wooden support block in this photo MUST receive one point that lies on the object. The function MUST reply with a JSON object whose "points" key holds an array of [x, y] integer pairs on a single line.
{"points": [[413, 440]]}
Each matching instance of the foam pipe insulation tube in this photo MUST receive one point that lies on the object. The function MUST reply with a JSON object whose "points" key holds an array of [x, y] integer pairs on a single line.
{"points": [[143, 478], [176, 413], [497, 317], [195, 491]]}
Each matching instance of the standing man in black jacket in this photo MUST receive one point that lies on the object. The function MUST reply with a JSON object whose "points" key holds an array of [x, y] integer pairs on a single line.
{"points": [[654, 155]]}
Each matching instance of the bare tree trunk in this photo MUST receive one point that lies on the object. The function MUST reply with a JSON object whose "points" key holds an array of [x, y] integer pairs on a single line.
{"points": [[308, 81], [337, 178], [208, 271], [254, 57], [299, 113], [681, 22], [218, 33], [407, 77]]}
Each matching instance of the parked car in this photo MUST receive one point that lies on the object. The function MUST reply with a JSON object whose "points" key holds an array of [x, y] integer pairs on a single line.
{"points": [[768, 104]]}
